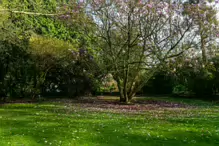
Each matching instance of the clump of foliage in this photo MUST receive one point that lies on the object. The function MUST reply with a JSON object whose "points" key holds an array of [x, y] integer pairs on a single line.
{"points": [[54, 58]]}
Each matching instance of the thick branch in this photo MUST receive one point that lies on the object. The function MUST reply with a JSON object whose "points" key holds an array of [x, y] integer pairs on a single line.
{"points": [[27, 13]]}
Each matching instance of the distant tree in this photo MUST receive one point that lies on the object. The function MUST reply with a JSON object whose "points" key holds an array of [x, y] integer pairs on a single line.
{"points": [[204, 17]]}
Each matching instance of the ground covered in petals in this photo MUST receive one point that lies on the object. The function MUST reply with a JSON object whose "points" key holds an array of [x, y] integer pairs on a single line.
{"points": [[103, 121]]}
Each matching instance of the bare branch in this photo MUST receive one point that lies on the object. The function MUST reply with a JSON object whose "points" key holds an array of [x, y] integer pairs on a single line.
{"points": [[27, 13]]}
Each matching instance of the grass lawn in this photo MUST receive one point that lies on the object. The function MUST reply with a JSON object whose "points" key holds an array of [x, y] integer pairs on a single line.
{"points": [[152, 121]]}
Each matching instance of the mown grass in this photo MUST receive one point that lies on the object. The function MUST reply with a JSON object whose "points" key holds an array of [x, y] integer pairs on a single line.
{"points": [[71, 124]]}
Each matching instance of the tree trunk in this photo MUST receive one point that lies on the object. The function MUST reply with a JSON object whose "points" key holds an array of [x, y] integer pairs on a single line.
{"points": [[204, 55], [122, 99], [124, 96]]}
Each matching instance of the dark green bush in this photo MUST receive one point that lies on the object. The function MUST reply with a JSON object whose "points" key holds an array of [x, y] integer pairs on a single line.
{"points": [[160, 83]]}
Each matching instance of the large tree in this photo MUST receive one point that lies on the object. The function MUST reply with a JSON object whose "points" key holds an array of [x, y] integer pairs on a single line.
{"points": [[138, 37]]}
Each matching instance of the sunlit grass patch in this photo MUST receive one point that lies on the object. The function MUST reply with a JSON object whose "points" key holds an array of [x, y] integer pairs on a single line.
{"points": [[77, 125]]}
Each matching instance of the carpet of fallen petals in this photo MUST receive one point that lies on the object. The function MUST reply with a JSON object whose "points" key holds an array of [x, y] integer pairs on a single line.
{"points": [[100, 104]]}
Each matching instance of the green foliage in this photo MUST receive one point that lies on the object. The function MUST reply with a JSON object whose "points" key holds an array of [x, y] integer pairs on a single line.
{"points": [[45, 65], [180, 90], [49, 26], [14, 59], [39, 52], [186, 77], [160, 83], [200, 82], [46, 45]]}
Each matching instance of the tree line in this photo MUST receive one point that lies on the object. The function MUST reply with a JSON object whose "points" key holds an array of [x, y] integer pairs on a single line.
{"points": [[68, 47]]}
